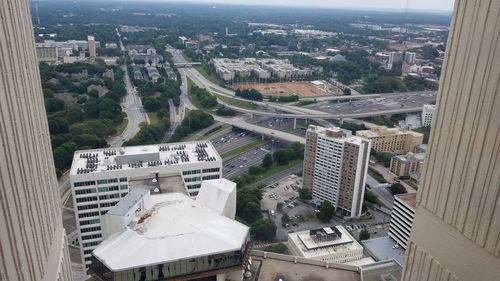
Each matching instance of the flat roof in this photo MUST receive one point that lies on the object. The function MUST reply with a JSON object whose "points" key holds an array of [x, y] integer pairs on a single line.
{"points": [[409, 199], [124, 205], [382, 248], [310, 248], [132, 157], [173, 227]]}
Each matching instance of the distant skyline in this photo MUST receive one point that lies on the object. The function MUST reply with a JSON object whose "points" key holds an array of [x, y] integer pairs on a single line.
{"points": [[436, 5]]}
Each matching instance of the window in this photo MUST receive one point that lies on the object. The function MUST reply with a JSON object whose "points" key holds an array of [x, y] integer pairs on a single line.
{"points": [[212, 177], [85, 191], [90, 229], [192, 179], [89, 214], [108, 204], [83, 183], [106, 181], [86, 199], [94, 221], [109, 188], [87, 207], [123, 179], [109, 196], [194, 186], [91, 236], [191, 172], [91, 244], [211, 170], [123, 187]]}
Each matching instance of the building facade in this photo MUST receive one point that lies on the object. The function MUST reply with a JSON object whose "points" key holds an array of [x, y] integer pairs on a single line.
{"points": [[331, 244], [393, 140], [408, 165], [410, 57], [403, 212], [101, 177], [33, 243], [202, 240], [336, 167], [46, 54], [427, 114], [92, 47], [456, 229], [394, 57]]}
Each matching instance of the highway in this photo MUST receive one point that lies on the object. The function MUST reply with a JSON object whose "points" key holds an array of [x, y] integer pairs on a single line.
{"points": [[132, 106]]}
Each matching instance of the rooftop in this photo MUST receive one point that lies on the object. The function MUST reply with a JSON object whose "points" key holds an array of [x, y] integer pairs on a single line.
{"points": [[320, 243], [382, 248], [382, 131], [133, 157], [409, 199], [194, 230]]}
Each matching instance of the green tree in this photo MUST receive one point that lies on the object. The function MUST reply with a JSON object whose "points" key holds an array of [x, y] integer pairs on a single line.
{"points": [[397, 188], [305, 194], [53, 105], [347, 91], [58, 125], [263, 229], [326, 211], [371, 197], [279, 248], [364, 235], [281, 157], [285, 219], [267, 162]]}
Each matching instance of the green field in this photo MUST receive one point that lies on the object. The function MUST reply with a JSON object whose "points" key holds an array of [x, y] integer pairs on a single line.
{"points": [[153, 119], [376, 176], [120, 128], [243, 149], [236, 102], [211, 77]]}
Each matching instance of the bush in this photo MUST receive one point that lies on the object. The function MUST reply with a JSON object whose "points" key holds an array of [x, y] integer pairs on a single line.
{"points": [[305, 194], [397, 188], [279, 248], [364, 235], [225, 111]]}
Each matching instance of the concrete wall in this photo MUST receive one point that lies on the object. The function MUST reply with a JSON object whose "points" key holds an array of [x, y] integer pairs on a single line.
{"points": [[32, 239], [456, 231]]}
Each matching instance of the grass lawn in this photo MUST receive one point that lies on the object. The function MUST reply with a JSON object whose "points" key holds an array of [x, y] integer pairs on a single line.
{"points": [[376, 176], [275, 169], [236, 102], [243, 149], [412, 183], [153, 119], [211, 77], [208, 135], [120, 128]]}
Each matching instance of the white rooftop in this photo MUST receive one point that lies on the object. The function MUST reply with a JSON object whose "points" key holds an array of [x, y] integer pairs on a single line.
{"points": [[130, 157], [310, 249], [173, 227]]}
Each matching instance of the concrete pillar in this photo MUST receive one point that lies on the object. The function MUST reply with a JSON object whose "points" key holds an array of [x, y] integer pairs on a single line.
{"points": [[294, 123], [32, 239], [457, 220]]}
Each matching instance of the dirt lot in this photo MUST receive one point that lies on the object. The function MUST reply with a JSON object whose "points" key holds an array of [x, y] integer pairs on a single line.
{"points": [[301, 89]]}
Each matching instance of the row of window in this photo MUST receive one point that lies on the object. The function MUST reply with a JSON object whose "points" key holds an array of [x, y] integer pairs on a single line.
{"points": [[106, 181], [93, 221], [83, 183], [109, 188], [109, 196], [86, 199], [194, 186], [211, 170], [212, 177], [91, 244], [88, 215], [191, 172], [85, 191], [192, 179], [90, 229], [91, 236], [87, 207]]}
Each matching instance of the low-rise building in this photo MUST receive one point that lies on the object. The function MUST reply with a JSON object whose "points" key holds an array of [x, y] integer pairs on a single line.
{"points": [[153, 73], [402, 215], [163, 236], [394, 140], [332, 244], [408, 165]]}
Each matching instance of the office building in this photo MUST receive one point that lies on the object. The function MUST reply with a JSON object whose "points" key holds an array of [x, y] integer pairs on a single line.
{"points": [[455, 233], [394, 57], [393, 140], [92, 47], [332, 244], [33, 243], [172, 236], [336, 167], [402, 215], [45, 53], [427, 114], [410, 57], [408, 165], [101, 177]]}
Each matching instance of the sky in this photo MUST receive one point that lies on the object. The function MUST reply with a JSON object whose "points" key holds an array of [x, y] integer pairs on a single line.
{"points": [[438, 5]]}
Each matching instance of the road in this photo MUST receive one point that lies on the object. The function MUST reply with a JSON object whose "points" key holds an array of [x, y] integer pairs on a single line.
{"points": [[132, 106]]}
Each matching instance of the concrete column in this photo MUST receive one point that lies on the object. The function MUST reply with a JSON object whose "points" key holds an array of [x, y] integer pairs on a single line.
{"points": [[457, 221], [294, 123], [32, 239]]}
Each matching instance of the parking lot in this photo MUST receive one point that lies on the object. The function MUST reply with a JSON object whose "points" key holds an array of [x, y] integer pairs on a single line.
{"points": [[284, 191]]}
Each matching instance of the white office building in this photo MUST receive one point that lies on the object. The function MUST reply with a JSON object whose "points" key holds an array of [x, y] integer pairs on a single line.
{"points": [[427, 114], [337, 167], [402, 215], [101, 177], [171, 236], [410, 57], [331, 244]]}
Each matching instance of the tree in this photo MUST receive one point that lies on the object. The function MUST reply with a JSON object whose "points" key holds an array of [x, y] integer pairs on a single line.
{"points": [[53, 105], [151, 104], [397, 188], [326, 211], [263, 229], [364, 235], [371, 197], [285, 219], [267, 162], [255, 170], [279, 248], [305, 194], [347, 91], [281, 157], [58, 125]]}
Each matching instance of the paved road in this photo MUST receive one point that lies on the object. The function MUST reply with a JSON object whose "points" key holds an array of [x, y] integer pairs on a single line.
{"points": [[132, 106]]}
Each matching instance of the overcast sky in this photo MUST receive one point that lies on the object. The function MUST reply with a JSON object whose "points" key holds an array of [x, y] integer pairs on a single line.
{"points": [[446, 5]]}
